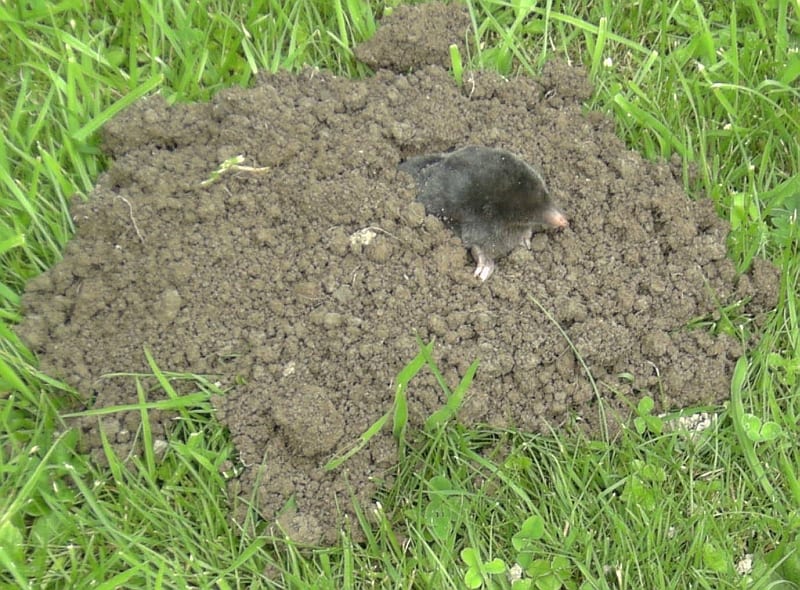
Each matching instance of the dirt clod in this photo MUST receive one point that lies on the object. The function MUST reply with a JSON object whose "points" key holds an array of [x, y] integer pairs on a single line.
{"points": [[306, 284]]}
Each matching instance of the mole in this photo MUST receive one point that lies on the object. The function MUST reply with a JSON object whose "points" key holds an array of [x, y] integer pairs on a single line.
{"points": [[490, 198]]}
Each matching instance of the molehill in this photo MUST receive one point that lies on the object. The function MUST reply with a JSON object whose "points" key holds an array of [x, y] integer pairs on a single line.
{"points": [[302, 281]]}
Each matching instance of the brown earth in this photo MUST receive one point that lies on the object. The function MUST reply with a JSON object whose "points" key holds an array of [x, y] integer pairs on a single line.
{"points": [[308, 276]]}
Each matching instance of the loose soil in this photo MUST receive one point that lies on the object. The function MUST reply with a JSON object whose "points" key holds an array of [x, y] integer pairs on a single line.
{"points": [[303, 281]]}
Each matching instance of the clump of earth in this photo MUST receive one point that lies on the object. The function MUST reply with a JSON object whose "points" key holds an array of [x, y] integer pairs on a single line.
{"points": [[302, 277]]}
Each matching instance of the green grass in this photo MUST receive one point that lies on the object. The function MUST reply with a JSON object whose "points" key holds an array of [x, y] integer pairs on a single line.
{"points": [[714, 82]]}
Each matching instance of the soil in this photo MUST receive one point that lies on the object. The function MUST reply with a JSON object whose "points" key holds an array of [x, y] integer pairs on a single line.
{"points": [[302, 278]]}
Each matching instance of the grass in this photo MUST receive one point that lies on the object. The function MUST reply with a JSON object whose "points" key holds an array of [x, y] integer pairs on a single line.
{"points": [[714, 82]]}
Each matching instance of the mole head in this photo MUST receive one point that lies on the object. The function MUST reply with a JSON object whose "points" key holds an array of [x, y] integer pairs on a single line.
{"points": [[523, 193], [528, 196]]}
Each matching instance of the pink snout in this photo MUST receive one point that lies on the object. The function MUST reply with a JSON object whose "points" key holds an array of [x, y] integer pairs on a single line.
{"points": [[556, 218]]}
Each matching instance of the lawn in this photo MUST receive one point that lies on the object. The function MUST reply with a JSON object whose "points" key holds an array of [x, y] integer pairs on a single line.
{"points": [[717, 83]]}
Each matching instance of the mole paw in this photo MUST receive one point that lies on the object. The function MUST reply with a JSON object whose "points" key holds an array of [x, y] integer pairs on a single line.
{"points": [[484, 270]]}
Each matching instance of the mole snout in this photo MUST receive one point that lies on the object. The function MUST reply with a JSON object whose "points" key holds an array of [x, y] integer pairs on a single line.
{"points": [[489, 197], [555, 218]]}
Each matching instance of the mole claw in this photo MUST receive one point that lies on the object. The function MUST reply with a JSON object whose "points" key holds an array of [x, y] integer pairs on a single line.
{"points": [[485, 265], [484, 271]]}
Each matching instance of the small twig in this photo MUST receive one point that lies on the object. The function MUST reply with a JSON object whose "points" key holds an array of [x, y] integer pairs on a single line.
{"points": [[234, 164], [383, 231], [133, 219], [471, 80]]}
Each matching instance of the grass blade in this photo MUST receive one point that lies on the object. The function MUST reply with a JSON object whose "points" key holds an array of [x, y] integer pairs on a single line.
{"points": [[738, 416]]}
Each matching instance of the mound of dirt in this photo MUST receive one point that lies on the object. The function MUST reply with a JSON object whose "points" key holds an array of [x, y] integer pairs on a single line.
{"points": [[303, 275], [417, 36]]}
